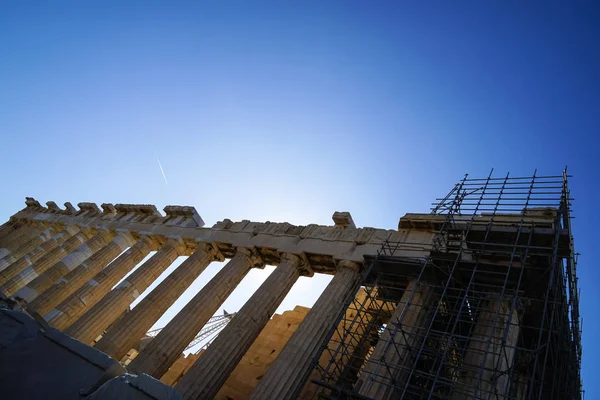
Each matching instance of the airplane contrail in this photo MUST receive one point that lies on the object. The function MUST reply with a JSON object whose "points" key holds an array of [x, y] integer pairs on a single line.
{"points": [[163, 171]]}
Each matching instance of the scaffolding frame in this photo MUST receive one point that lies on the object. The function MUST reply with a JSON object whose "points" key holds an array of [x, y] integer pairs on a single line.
{"points": [[491, 313]]}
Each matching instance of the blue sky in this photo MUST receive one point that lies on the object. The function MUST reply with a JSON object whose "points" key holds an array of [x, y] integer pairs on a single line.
{"points": [[281, 112]]}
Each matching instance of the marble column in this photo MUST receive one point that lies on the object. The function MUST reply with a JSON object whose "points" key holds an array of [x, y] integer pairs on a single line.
{"points": [[21, 279], [162, 351], [394, 353], [68, 284], [354, 334], [17, 238], [37, 286], [27, 247], [37, 253], [8, 229], [287, 375], [204, 379], [490, 355], [20, 228], [126, 333], [96, 288], [105, 312]]}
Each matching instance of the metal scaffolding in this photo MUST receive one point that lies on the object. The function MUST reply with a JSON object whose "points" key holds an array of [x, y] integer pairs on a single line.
{"points": [[491, 313]]}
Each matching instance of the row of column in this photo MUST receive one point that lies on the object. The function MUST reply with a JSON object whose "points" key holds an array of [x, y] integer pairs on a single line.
{"points": [[66, 275], [15, 234], [204, 379], [15, 277], [74, 294]]}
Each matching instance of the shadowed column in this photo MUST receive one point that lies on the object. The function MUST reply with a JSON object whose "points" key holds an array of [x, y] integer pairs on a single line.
{"points": [[126, 333], [21, 229], [287, 375], [209, 373], [67, 285], [9, 228], [37, 253], [37, 286], [94, 289], [26, 247], [106, 311], [17, 238], [40, 266], [162, 351], [393, 356], [487, 366]]}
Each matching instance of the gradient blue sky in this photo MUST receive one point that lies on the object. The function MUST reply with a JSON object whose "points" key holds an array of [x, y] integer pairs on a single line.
{"points": [[288, 112]]}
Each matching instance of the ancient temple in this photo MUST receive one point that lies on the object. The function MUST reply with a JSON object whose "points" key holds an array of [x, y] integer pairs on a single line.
{"points": [[476, 300]]}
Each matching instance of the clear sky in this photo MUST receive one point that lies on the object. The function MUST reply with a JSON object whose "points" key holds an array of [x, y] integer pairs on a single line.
{"points": [[289, 112]]}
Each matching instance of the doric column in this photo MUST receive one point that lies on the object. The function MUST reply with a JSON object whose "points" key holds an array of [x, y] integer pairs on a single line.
{"points": [[19, 230], [40, 266], [126, 333], [94, 289], [37, 253], [106, 311], [169, 344], [287, 375], [17, 238], [394, 353], [37, 286], [67, 285], [209, 373], [354, 335], [26, 247], [490, 355], [8, 229]]}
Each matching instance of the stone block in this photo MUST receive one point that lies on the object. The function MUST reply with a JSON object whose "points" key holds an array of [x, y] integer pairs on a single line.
{"points": [[89, 209], [134, 387], [183, 215], [53, 207], [30, 202], [39, 362], [69, 209], [109, 209]]}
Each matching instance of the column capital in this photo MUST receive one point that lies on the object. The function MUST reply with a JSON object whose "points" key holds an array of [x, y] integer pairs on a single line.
{"points": [[251, 254], [106, 233], [72, 229], [352, 265], [149, 241], [299, 261], [178, 243], [27, 222], [212, 249], [88, 231]]}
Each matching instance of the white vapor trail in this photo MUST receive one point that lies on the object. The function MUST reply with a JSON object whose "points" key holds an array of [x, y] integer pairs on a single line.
{"points": [[161, 170]]}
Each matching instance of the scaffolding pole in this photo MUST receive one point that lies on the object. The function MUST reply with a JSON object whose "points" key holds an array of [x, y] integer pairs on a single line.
{"points": [[491, 313]]}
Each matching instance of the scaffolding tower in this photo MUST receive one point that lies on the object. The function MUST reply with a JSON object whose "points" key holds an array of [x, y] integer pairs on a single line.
{"points": [[492, 312]]}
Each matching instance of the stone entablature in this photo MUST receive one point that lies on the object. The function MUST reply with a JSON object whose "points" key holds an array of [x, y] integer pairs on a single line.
{"points": [[322, 245]]}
